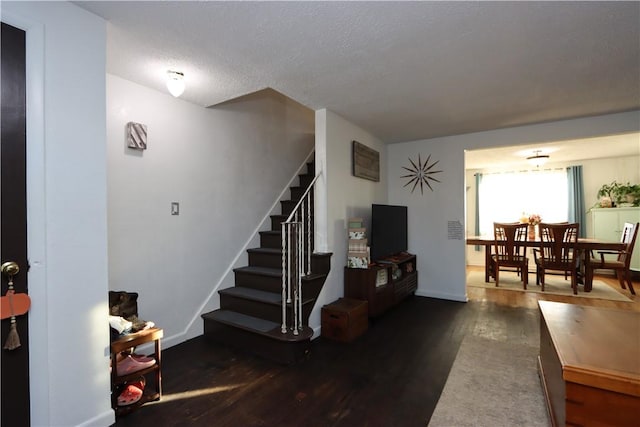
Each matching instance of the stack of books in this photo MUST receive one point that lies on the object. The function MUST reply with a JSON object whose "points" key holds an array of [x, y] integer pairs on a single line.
{"points": [[358, 254]]}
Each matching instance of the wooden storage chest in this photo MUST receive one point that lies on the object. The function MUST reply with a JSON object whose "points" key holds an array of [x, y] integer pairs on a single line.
{"points": [[345, 319], [589, 365]]}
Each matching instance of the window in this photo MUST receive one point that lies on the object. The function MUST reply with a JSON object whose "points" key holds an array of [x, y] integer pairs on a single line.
{"points": [[504, 197]]}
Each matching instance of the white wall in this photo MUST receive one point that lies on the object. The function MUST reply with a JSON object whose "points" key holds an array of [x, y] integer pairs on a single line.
{"points": [[430, 212], [441, 262], [340, 196], [67, 243], [226, 166]]}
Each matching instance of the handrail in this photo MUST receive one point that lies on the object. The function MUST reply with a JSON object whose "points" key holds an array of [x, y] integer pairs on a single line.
{"points": [[313, 181], [294, 255]]}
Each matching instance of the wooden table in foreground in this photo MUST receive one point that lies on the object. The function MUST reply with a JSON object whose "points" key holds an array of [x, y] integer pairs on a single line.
{"points": [[589, 364], [585, 245]]}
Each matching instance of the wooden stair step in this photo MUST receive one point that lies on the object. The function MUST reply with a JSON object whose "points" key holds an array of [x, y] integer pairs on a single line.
{"points": [[239, 331], [272, 272], [296, 192], [256, 325], [265, 296], [261, 303], [259, 271], [271, 239], [313, 276], [274, 232], [267, 251], [270, 257], [253, 294], [242, 321], [259, 277]]}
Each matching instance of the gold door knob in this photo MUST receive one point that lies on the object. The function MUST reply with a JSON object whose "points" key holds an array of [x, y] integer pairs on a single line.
{"points": [[10, 269]]}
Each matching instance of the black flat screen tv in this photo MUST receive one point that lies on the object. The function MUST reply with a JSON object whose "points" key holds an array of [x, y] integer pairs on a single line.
{"points": [[388, 231]]}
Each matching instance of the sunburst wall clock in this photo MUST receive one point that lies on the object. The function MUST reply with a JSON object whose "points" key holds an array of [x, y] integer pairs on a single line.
{"points": [[422, 174]]}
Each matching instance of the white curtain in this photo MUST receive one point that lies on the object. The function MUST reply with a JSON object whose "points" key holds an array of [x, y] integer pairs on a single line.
{"points": [[506, 197]]}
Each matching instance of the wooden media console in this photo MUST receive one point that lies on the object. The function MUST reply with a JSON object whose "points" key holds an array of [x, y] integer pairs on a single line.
{"points": [[384, 284]]}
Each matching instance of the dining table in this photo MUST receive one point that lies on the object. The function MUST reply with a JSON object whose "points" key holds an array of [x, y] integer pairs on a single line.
{"points": [[584, 245]]}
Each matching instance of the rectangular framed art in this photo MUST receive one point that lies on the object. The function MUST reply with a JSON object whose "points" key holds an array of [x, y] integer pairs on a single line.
{"points": [[366, 162], [137, 136]]}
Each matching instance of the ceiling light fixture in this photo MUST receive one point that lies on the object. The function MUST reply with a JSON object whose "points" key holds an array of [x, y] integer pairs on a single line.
{"points": [[538, 159], [175, 83]]}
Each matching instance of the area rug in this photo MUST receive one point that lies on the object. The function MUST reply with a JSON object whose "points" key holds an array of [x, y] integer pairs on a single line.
{"points": [[492, 383], [556, 285]]}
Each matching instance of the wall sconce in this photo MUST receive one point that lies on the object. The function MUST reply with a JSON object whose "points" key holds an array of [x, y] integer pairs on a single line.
{"points": [[175, 83], [538, 159]]}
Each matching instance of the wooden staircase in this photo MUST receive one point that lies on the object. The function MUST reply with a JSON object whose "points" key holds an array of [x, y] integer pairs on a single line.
{"points": [[250, 314]]}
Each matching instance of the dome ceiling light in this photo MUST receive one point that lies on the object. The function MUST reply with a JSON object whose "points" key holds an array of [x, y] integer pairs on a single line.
{"points": [[175, 83]]}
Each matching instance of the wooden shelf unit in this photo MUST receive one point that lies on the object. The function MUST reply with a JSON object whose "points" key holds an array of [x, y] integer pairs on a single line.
{"points": [[369, 284], [124, 343]]}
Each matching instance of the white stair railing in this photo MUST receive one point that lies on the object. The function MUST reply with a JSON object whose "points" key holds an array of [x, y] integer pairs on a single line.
{"points": [[297, 235]]}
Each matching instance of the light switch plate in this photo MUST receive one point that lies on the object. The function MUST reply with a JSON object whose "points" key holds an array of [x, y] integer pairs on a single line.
{"points": [[175, 208]]}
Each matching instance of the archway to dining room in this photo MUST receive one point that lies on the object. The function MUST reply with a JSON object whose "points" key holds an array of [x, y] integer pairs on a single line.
{"points": [[502, 185]]}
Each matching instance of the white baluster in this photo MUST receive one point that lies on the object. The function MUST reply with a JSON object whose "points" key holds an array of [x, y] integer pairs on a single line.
{"points": [[295, 290], [300, 273], [309, 233], [289, 269], [284, 279]]}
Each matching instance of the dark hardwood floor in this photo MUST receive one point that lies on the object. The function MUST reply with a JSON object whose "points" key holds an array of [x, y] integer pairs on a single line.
{"points": [[391, 376]]}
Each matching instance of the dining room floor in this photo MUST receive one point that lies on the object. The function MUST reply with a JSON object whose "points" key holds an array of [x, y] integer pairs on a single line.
{"points": [[530, 299]]}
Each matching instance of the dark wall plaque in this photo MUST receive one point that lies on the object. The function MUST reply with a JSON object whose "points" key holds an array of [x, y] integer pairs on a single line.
{"points": [[366, 162]]}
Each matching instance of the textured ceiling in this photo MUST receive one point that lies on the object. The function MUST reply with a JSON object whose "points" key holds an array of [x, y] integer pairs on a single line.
{"points": [[609, 146], [402, 70]]}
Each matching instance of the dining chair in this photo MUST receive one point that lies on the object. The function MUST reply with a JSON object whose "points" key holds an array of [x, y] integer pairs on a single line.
{"points": [[509, 252], [621, 264], [558, 251]]}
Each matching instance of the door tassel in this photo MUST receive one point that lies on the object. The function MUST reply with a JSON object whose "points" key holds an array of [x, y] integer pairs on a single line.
{"points": [[13, 339], [12, 305]]}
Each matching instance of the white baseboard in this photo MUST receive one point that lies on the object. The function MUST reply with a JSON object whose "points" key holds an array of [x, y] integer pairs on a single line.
{"points": [[105, 419], [442, 295]]}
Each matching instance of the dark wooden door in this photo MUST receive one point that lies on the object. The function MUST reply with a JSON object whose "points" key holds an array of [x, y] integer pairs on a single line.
{"points": [[13, 211]]}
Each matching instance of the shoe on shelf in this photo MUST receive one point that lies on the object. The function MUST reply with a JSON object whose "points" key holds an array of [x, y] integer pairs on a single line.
{"points": [[130, 395], [142, 358], [139, 383], [131, 391], [129, 365]]}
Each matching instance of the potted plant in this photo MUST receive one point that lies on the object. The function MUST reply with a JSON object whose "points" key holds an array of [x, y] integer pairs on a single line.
{"points": [[608, 194], [629, 193], [635, 192]]}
